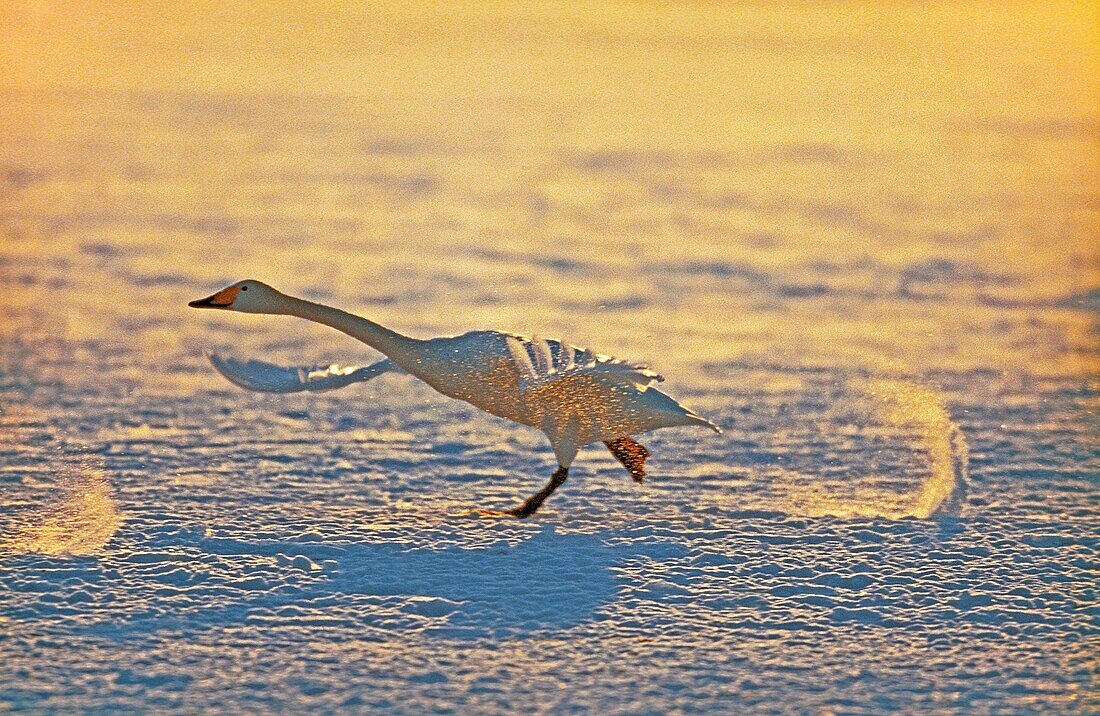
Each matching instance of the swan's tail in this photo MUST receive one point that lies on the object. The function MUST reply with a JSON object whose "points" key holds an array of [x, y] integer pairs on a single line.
{"points": [[699, 420], [270, 378]]}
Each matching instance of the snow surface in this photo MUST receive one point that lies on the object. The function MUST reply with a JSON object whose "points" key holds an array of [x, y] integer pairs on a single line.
{"points": [[902, 514]]}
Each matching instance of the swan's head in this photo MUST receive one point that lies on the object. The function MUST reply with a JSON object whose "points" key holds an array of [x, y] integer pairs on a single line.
{"points": [[248, 296]]}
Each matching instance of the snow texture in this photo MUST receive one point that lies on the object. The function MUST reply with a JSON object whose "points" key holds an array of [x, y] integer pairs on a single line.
{"points": [[901, 515]]}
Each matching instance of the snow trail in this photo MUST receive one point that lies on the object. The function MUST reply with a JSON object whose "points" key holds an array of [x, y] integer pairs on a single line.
{"points": [[906, 409]]}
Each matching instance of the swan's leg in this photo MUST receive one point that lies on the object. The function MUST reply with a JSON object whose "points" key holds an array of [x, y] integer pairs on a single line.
{"points": [[534, 502], [565, 443], [631, 454]]}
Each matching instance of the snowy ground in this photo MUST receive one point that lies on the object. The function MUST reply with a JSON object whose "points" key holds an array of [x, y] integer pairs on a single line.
{"points": [[896, 330]]}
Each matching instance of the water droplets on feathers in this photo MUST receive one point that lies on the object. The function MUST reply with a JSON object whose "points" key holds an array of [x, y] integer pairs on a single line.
{"points": [[540, 362], [544, 383]]}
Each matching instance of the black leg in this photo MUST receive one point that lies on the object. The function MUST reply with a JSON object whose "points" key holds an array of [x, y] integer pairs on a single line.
{"points": [[534, 502]]}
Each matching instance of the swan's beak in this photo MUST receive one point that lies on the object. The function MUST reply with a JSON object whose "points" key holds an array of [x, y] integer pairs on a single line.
{"points": [[222, 299]]}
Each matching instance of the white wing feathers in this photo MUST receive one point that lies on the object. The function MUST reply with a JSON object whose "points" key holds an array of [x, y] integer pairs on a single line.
{"points": [[540, 362], [270, 378]]}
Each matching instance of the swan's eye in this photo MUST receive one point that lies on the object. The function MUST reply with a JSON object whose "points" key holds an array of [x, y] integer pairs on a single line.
{"points": [[244, 288]]}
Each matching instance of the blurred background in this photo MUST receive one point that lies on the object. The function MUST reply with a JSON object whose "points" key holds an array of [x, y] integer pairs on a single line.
{"points": [[862, 237], [912, 182]]}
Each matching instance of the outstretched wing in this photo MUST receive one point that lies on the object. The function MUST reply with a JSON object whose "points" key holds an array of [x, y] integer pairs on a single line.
{"points": [[270, 378], [540, 362]]}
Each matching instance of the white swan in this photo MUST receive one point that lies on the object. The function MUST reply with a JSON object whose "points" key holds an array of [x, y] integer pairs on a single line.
{"points": [[574, 396]]}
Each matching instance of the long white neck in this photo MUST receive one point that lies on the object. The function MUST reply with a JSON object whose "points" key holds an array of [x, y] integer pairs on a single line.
{"points": [[398, 347]]}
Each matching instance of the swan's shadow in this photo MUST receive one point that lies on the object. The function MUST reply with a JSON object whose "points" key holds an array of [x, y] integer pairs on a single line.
{"points": [[546, 582]]}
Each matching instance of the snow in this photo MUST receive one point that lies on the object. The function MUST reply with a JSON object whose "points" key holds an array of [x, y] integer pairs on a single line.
{"points": [[894, 329]]}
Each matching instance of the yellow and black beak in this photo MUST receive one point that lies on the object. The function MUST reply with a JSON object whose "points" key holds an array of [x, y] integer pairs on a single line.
{"points": [[222, 299]]}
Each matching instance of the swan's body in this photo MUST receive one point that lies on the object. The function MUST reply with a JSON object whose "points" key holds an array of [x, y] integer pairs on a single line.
{"points": [[574, 396]]}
